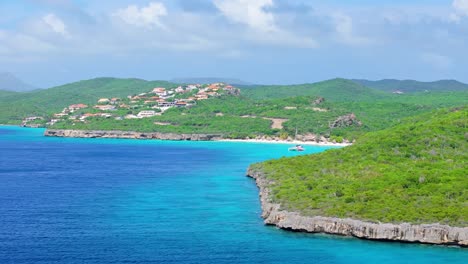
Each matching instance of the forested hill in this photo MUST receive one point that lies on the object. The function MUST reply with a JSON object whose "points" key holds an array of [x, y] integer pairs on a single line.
{"points": [[336, 90], [410, 86], [16, 106], [346, 109], [4, 93], [208, 80], [414, 172]]}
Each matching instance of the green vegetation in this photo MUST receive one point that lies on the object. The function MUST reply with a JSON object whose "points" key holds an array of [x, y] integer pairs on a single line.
{"points": [[15, 107], [381, 114], [4, 93], [229, 125], [243, 116], [409, 86], [233, 116], [240, 116], [336, 90], [208, 80], [414, 172]]}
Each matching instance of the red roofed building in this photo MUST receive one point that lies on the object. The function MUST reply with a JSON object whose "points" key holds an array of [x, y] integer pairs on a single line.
{"points": [[160, 91], [181, 104], [77, 106]]}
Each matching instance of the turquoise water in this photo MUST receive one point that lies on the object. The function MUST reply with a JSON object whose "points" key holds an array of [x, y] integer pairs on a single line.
{"points": [[131, 201]]}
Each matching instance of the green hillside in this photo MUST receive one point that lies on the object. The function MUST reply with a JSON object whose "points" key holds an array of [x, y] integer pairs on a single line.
{"points": [[208, 80], [43, 102], [336, 90], [414, 172], [4, 93], [410, 86], [381, 114], [241, 116], [237, 116]]}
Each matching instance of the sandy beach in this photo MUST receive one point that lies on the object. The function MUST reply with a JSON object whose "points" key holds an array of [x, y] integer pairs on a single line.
{"points": [[294, 142]]}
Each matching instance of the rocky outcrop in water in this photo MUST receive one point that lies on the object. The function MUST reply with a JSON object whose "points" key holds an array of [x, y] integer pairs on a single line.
{"points": [[130, 135], [427, 233]]}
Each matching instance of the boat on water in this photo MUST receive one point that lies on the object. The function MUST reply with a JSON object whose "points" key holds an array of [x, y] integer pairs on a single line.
{"points": [[297, 148]]}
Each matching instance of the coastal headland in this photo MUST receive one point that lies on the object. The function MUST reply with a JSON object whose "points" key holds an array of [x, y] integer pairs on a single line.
{"points": [[273, 214]]}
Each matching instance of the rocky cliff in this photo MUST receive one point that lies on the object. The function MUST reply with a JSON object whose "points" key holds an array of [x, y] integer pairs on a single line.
{"points": [[171, 136], [130, 135], [430, 233]]}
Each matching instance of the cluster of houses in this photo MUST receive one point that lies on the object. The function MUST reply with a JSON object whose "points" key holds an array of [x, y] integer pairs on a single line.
{"points": [[144, 105], [32, 121]]}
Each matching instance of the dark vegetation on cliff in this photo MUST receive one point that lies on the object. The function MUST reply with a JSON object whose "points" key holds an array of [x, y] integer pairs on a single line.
{"points": [[414, 172]]}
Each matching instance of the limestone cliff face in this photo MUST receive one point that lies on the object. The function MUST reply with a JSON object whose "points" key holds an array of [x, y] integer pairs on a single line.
{"points": [[130, 135], [430, 233]]}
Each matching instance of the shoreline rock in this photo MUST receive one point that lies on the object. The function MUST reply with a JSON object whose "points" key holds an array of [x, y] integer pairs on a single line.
{"points": [[405, 232], [309, 138], [130, 135]]}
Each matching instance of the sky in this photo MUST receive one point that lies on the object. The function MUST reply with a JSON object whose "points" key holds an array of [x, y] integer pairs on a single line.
{"points": [[52, 42]]}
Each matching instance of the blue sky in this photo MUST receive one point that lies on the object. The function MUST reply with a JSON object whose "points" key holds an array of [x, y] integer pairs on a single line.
{"points": [[51, 42]]}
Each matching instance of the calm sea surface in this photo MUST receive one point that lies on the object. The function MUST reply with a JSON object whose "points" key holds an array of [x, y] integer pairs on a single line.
{"points": [[130, 201]]}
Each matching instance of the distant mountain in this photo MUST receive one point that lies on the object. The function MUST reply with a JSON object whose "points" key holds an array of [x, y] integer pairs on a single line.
{"points": [[207, 80], [9, 82], [409, 86]]}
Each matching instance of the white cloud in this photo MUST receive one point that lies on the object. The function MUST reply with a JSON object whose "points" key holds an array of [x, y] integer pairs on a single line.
{"points": [[461, 10], [22, 48], [262, 22], [147, 17], [461, 7], [283, 38], [249, 12], [345, 29], [437, 61], [240, 27], [56, 24]]}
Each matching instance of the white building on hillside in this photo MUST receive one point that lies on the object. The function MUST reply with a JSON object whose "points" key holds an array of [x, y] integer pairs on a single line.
{"points": [[147, 113]]}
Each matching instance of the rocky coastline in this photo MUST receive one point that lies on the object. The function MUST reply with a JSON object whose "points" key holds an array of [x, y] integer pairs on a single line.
{"points": [[405, 232], [129, 135], [305, 139]]}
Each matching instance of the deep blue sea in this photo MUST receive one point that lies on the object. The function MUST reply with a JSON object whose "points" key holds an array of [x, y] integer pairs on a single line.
{"points": [[135, 201]]}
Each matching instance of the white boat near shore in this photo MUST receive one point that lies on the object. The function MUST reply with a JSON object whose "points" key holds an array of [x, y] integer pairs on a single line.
{"points": [[297, 148]]}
